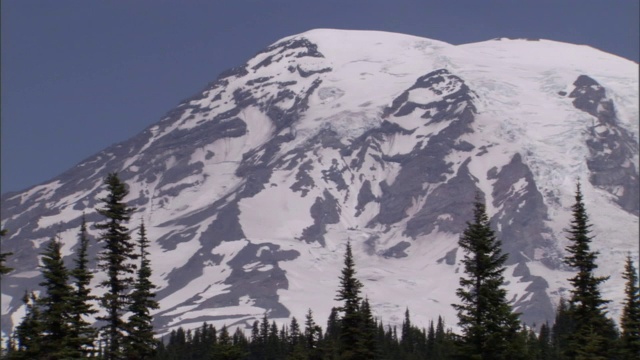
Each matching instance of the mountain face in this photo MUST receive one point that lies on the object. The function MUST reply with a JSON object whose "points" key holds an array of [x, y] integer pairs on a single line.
{"points": [[251, 189]]}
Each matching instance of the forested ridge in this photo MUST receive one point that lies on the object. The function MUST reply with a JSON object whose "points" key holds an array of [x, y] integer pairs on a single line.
{"points": [[57, 322]]}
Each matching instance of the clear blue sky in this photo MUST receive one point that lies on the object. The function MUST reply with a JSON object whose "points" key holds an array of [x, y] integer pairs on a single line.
{"points": [[80, 75]]}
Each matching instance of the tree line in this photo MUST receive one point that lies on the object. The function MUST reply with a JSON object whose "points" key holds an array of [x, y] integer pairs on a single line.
{"points": [[56, 324]]}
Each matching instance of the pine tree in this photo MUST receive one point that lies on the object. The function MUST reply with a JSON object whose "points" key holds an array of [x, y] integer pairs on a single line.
{"points": [[115, 261], [487, 321], [55, 304], [82, 334], [141, 342], [351, 322], [630, 319], [3, 256], [592, 329]]}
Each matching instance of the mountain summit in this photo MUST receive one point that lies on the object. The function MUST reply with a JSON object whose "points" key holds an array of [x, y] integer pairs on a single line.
{"points": [[250, 189]]}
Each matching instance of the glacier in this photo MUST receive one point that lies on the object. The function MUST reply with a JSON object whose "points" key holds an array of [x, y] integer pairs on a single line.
{"points": [[251, 188]]}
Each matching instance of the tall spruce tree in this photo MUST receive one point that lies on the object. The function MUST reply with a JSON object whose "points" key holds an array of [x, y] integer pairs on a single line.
{"points": [[82, 334], [116, 261], [562, 329], [141, 343], [630, 319], [28, 333], [593, 333], [368, 346], [406, 341], [544, 343], [56, 304], [351, 321], [487, 321], [312, 337]]}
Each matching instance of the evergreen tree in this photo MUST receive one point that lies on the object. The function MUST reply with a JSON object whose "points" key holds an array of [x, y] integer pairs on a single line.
{"points": [[56, 305], [3, 256], [431, 341], [351, 322], [630, 319], [544, 343], [141, 342], [82, 334], [562, 329], [442, 344], [115, 261], [486, 319], [331, 340], [312, 336], [225, 349], [406, 342], [592, 329], [29, 332], [368, 332], [257, 348]]}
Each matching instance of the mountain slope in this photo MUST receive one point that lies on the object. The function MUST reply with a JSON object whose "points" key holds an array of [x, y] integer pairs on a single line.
{"points": [[251, 189]]}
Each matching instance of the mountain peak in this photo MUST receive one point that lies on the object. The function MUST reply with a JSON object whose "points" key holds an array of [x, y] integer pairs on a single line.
{"points": [[251, 188]]}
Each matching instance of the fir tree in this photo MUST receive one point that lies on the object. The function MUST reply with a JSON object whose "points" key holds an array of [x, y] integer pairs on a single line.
{"points": [[331, 340], [630, 319], [3, 256], [544, 343], [115, 261], [141, 342], [312, 336], [28, 333], [406, 342], [368, 332], [82, 334], [431, 341], [592, 329], [486, 319], [56, 305], [562, 329], [351, 322]]}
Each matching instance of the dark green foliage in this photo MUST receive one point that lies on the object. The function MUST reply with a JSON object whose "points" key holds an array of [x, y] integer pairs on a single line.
{"points": [[3, 256], [55, 305], [563, 327], [140, 340], [414, 341], [593, 333], [444, 342], [367, 341], [28, 334], [115, 261], [407, 342], [545, 351], [226, 349], [489, 325], [351, 321], [55, 326], [630, 319], [82, 334], [312, 337]]}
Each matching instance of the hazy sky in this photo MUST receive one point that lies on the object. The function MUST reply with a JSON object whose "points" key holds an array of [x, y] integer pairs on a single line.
{"points": [[80, 75]]}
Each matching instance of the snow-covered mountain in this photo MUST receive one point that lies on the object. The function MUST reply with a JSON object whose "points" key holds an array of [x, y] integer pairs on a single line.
{"points": [[251, 189]]}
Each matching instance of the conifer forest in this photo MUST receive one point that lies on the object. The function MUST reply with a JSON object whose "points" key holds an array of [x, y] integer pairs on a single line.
{"points": [[59, 320]]}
